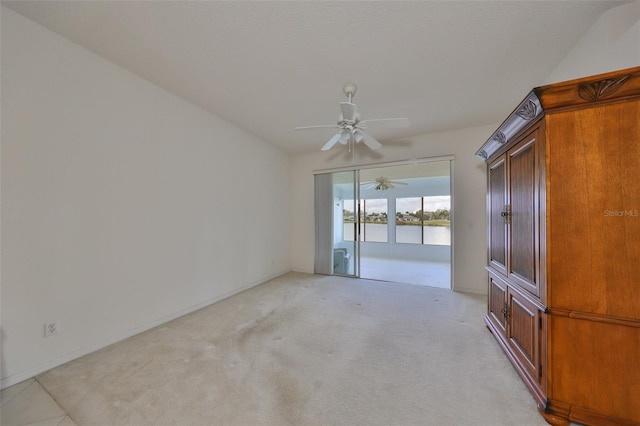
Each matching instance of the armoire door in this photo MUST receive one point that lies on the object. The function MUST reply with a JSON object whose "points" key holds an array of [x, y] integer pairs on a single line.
{"points": [[524, 333], [523, 267], [498, 214], [497, 309]]}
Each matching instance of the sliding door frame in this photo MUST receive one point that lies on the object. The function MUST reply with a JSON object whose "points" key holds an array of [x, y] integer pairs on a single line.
{"points": [[357, 168], [326, 226]]}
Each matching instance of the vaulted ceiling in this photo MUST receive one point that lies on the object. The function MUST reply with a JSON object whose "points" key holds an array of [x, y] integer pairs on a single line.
{"points": [[268, 67]]}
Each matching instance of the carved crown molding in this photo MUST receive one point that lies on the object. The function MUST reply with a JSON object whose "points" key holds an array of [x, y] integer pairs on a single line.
{"points": [[528, 110], [600, 89], [500, 137], [613, 86]]}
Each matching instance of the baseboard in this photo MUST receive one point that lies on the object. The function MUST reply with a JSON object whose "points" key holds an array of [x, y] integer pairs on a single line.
{"points": [[482, 292], [32, 372]]}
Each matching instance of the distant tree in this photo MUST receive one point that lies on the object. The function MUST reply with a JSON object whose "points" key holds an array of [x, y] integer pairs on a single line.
{"points": [[442, 214]]}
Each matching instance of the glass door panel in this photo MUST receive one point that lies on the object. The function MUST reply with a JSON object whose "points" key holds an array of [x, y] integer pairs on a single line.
{"points": [[346, 211]]}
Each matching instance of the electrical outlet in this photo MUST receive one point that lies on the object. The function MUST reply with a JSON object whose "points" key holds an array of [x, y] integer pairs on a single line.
{"points": [[50, 328]]}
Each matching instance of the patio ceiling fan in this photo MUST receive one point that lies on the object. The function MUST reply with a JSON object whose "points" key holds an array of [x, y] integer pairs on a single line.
{"points": [[382, 183], [351, 129]]}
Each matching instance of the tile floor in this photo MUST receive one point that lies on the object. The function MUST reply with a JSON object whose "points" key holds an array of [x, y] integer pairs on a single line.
{"points": [[27, 403], [432, 274]]}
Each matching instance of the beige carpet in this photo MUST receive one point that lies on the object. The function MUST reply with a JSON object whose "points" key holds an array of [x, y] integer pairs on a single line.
{"points": [[305, 350]]}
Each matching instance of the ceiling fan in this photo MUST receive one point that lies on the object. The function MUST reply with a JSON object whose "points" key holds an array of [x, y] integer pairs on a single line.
{"points": [[382, 183], [351, 128]]}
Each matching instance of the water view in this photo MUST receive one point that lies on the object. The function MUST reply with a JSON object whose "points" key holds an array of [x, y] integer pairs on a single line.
{"points": [[410, 234]]}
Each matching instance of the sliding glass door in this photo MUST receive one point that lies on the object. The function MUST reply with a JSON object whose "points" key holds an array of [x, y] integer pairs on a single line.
{"points": [[336, 209], [388, 222]]}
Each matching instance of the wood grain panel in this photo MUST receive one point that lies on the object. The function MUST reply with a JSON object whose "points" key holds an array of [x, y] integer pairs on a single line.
{"points": [[497, 302], [522, 198], [522, 333], [596, 366], [496, 204], [594, 210]]}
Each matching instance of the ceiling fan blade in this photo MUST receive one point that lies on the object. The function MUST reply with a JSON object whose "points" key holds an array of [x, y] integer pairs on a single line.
{"points": [[387, 123], [395, 182], [349, 112], [368, 140], [320, 126], [331, 142]]}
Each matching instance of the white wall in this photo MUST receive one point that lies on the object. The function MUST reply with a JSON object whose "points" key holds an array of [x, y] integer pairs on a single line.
{"points": [[469, 197], [122, 205], [612, 43]]}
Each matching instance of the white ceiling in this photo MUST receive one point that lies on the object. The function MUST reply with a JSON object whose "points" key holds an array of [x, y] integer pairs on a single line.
{"points": [[270, 66]]}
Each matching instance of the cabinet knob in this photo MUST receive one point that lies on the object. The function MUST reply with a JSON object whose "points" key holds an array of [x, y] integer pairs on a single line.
{"points": [[505, 312]]}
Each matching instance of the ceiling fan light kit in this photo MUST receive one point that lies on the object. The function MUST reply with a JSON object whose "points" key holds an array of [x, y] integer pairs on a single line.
{"points": [[351, 128]]}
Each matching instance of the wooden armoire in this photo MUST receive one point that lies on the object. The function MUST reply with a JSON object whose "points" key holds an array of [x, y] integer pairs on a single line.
{"points": [[563, 239]]}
